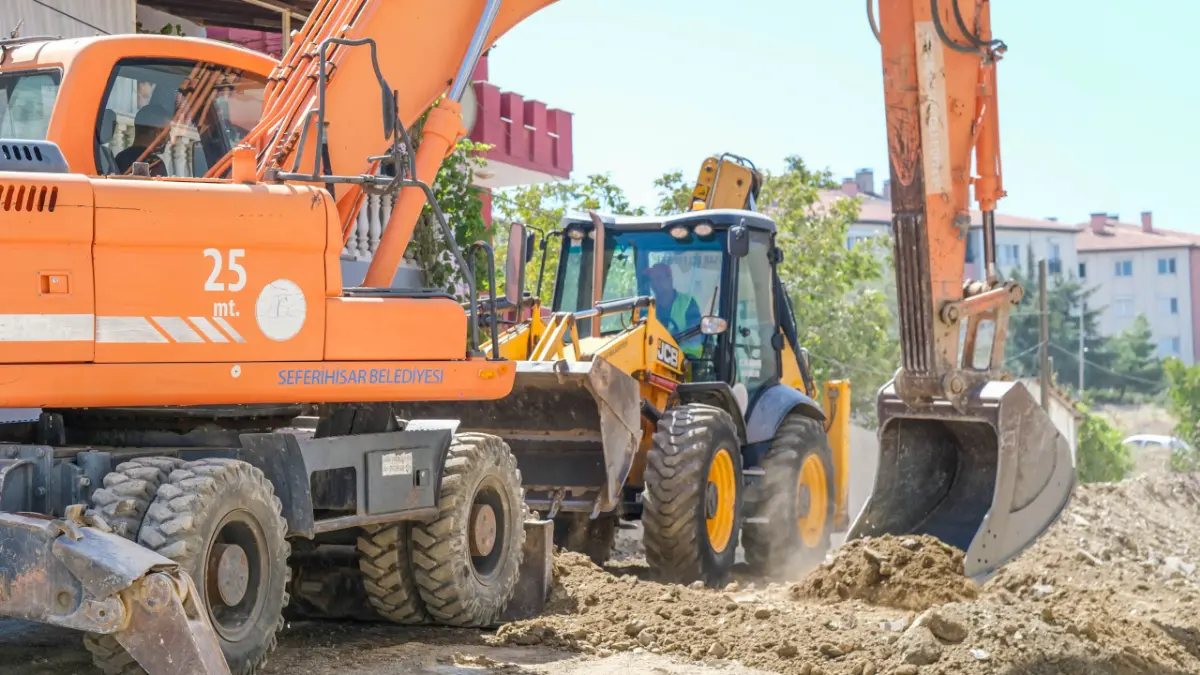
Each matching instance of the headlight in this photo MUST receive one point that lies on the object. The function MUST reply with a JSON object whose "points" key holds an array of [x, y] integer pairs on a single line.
{"points": [[575, 233], [679, 232], [703, 230]]}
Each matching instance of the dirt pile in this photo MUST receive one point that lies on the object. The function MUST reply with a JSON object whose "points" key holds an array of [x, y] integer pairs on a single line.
{"points": [[1111, 589], [907, 573]]}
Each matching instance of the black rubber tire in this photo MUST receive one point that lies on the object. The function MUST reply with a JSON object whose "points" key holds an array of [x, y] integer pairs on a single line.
{"points": [[122, 502], [181, 525], [385, 560], [675, 535], [776, 547], [446, 574], [579, 533]]}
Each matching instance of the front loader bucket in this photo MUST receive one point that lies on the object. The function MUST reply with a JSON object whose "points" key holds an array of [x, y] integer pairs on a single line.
{"points": [[987, 482], [574, 427]]}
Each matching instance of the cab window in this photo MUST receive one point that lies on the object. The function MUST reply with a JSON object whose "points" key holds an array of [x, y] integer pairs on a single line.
{"points": [[26, 102], [180, 117]]}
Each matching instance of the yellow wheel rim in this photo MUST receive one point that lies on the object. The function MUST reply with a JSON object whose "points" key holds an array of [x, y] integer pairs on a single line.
{"points": [[720, 496], [811, 488]]}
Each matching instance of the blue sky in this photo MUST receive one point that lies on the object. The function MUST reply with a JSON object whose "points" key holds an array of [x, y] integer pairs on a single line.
{"points": [[1099, 104]]}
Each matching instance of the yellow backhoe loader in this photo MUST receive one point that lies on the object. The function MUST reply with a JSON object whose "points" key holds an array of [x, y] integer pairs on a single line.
{"points": [[668, 385]]}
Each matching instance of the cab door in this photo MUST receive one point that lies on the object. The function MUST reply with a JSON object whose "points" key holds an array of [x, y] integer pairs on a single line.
{"points": [[193, 271], [754, 345], [46, 309]]}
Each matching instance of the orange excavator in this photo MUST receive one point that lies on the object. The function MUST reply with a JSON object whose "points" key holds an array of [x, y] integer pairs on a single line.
{"points": [[171, 306], [172, 214]]}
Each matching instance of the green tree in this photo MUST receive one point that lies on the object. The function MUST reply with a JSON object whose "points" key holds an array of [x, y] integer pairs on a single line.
{"points": [[1183, 400], [1101, 456], [674, 194], [543, 206], [841, 311], [1064, 296], [1136, 364]]}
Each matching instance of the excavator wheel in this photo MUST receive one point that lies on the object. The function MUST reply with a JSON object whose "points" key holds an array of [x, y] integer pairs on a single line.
{"points": [[466, 560], [385, 560], [692, 504], [220, 520], [795, 499], [580, 533], [122, 502]]}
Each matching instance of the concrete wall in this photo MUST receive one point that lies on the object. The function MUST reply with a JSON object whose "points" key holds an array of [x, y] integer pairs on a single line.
{"points": [[1146, 292], [105, 16]]}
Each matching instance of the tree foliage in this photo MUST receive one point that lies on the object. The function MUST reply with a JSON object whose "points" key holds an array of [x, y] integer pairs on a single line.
{"points": [[1183, 396], [1135, 358], [543, 206], [1101, 456]]}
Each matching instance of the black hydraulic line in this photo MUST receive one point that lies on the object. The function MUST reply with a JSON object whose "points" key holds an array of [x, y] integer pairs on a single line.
{"points": [[971, 36], [941, 31]]}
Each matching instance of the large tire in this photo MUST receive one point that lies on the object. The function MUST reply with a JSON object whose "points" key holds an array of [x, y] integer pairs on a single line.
{"points": [[122, 503], [578, 532], [796, 497], [385, 560], [219, 501], [457, 587], [690, 520]]}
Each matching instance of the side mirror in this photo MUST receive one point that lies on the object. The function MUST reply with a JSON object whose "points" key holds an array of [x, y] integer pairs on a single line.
{"points": [[713, 325], [739, 241], [514, 264]]}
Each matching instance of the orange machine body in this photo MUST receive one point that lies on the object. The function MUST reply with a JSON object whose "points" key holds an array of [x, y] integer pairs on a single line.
{"points": [[128, 291]]}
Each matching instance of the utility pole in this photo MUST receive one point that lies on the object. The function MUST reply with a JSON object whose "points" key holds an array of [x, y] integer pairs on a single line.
{"points": [[1044, 325], [1082, 309]]}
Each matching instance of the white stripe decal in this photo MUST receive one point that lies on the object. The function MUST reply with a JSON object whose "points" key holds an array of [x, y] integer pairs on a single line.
{"points": [[210, 331], [127, 330], [177, 328], [228, 329], [47, 327]]}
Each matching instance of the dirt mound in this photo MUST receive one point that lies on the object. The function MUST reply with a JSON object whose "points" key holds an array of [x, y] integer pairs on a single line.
{"points": [[904, 572], [1113, 589]]}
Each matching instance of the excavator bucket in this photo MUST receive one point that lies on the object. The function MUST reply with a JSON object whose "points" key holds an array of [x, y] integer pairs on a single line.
{"points": [[574, 427], [987, 481]]}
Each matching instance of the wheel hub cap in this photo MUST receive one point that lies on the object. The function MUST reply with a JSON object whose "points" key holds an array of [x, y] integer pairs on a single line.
{"points": [[483, 529], [233, 572]]}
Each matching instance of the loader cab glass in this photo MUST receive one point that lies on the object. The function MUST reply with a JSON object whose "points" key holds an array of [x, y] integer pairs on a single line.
{"points": [[684, 272], [26, 102], [178, 116]]}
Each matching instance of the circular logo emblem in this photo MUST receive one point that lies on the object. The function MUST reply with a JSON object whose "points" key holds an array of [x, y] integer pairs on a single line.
{"points": [[280, 310]]}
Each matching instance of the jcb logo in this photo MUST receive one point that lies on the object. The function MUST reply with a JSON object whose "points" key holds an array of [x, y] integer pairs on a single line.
{"points": [[668, 353]]}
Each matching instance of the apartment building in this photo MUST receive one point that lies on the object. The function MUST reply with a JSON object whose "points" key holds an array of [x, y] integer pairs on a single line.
{"points": [[1141, 269], [1016, 237]]}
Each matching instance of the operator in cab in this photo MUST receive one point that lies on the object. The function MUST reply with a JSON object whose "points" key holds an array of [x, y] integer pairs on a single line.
{"points": [[676, 310], [147, 125]]}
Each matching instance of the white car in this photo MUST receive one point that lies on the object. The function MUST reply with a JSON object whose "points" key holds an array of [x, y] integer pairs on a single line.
{"points": [[1155, 441]]}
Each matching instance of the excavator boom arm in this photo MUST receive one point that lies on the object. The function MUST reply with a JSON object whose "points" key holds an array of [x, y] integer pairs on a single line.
{"points": [[966, 455]]}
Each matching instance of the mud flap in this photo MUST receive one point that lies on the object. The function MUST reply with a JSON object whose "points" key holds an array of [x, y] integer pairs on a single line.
{"points": [[987, 482], [66, 573]]}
